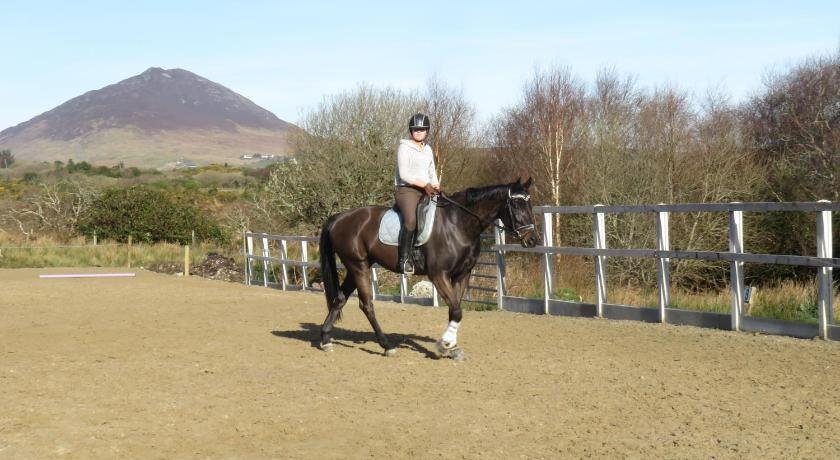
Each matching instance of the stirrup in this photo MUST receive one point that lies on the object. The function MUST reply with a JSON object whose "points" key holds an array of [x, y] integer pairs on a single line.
{"points": [[408, 267]]}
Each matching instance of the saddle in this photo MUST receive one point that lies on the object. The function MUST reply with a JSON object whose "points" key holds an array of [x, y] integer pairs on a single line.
{"points": [[389, 226]]}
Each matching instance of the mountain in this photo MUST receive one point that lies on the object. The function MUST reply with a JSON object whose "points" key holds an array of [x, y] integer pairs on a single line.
{"points": [[152, 119]]}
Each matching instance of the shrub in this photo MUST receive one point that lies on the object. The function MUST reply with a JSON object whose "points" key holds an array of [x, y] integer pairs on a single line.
{"points": [[148, 215]]}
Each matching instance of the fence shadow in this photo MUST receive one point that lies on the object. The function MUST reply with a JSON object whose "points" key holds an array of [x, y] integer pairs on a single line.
{"points": [[311, 333]]}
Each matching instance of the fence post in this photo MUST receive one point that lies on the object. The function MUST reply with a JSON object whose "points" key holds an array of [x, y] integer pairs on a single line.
{"points": [[664, 279], [500, 270], [736, 271], [186, 261], [94, 238], [129, 251], [247, 247], [548, 260], [284, 253], [304, 248], [825, 275], [266, 263], [600, 236], [374, 282], [192, 234]]}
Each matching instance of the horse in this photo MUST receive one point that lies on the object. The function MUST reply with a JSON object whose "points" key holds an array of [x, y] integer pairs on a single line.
{"points": [[450, 253]]}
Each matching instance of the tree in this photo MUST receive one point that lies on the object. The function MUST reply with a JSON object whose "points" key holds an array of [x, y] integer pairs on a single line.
{"points": [[54, 208], [6, 159], [345, 158], [794, 127], [346, 153], [452, 133], [544, 134]]}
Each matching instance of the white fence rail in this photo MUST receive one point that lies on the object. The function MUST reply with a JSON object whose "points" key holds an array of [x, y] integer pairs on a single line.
{"points": [[736, 256], [258, 250]]}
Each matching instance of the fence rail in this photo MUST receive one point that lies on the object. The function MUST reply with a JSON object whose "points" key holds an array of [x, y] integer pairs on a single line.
{"points": [[736, 256], [284, 262]]}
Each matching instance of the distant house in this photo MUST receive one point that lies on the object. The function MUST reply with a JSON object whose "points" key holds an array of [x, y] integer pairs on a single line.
{"points": [[184, 163], [259, 156]]}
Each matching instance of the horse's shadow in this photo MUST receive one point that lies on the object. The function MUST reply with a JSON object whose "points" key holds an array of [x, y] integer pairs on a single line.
{"points": [[311, 333]]}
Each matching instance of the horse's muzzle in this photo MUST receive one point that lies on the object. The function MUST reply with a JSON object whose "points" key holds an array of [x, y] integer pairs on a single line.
{"points": [[530, 239]]}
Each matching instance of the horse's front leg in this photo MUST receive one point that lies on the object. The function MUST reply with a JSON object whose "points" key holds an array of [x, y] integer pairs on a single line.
{"points": [[451, 291]]}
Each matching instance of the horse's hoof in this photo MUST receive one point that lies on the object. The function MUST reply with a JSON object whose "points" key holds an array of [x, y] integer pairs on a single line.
{"points": [[457, 355], [442, 349], [390, 352], [329, 346]]}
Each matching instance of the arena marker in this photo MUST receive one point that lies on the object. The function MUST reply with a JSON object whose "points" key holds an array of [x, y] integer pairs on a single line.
{"points": [[89, 275]]}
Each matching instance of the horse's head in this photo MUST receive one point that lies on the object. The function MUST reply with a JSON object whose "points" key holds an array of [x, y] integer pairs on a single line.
{"points": [[518, 213]]}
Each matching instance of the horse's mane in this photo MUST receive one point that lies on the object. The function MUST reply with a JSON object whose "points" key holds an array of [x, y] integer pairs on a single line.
{"points": [[474, 195]]}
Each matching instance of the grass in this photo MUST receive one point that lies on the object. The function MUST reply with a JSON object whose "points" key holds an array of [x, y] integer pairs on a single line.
{"points": [[79, 252]]}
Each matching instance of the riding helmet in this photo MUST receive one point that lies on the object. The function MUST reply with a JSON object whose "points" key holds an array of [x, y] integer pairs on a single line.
{"points": [[419, 121]]}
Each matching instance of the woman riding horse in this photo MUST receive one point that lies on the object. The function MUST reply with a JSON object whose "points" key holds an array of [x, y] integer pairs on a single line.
{"points": [[414, 175], [451, 251]]}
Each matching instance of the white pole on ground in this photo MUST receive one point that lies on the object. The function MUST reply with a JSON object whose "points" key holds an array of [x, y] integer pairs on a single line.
{"points": [[89, 275]]}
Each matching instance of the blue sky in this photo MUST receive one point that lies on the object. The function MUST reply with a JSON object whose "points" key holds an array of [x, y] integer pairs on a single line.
{"points": [[286, 56]]}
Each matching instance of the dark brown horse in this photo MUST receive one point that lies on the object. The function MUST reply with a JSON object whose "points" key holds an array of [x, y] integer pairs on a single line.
{"points": [[451, 251]]}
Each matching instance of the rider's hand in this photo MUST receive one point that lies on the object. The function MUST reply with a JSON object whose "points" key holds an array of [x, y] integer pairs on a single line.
{"points": [[429, 189]]}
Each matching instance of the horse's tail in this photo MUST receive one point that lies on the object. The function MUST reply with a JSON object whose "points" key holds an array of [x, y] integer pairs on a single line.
{"points": [[329, 273]]}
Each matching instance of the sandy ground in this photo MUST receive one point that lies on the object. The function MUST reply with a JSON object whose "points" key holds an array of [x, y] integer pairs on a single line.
{"points": [[163, 367]]}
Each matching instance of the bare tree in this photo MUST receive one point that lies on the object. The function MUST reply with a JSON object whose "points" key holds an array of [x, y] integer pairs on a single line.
{"points": [[346, 158], [57, 208], [544, 135], [452, 134]]}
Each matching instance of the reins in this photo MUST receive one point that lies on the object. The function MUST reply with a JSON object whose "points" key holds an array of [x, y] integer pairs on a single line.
{"points": [[515, 231]]}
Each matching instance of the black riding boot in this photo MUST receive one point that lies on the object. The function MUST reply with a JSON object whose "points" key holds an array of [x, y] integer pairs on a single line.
{"points": [[405, 263]]}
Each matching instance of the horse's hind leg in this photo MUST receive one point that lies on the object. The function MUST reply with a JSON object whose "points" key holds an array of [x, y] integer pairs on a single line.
{"points": [[365, 291], [334, 313]]}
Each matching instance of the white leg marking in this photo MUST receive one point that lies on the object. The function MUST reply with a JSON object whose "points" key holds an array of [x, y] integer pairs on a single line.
{"points": [[450, 335]]}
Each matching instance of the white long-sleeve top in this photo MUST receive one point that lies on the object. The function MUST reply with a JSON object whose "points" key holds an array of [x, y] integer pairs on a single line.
{"points": [[415, 165]]}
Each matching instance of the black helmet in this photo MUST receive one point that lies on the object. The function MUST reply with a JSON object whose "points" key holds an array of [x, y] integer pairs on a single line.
{"points": [[419, 121]]}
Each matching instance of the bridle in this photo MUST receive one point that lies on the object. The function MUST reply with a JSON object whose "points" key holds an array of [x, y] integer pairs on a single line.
{"points": [[518, 231]]}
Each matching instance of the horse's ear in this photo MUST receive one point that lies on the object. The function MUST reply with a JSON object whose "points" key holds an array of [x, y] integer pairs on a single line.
{"points": [[518, 180], [528, 183]]}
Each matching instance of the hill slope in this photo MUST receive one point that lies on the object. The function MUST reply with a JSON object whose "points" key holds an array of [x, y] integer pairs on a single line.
{"points": [[152, 119]]}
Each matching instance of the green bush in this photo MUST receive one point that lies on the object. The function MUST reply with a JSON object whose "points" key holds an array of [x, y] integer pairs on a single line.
{"points": [[148, 215]]}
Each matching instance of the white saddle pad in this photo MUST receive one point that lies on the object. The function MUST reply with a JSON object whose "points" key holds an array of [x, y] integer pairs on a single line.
{"points": [[389, 226]]}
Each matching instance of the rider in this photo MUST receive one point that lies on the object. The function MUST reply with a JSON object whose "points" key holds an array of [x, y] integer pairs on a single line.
{"points": [[414, 175]]}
